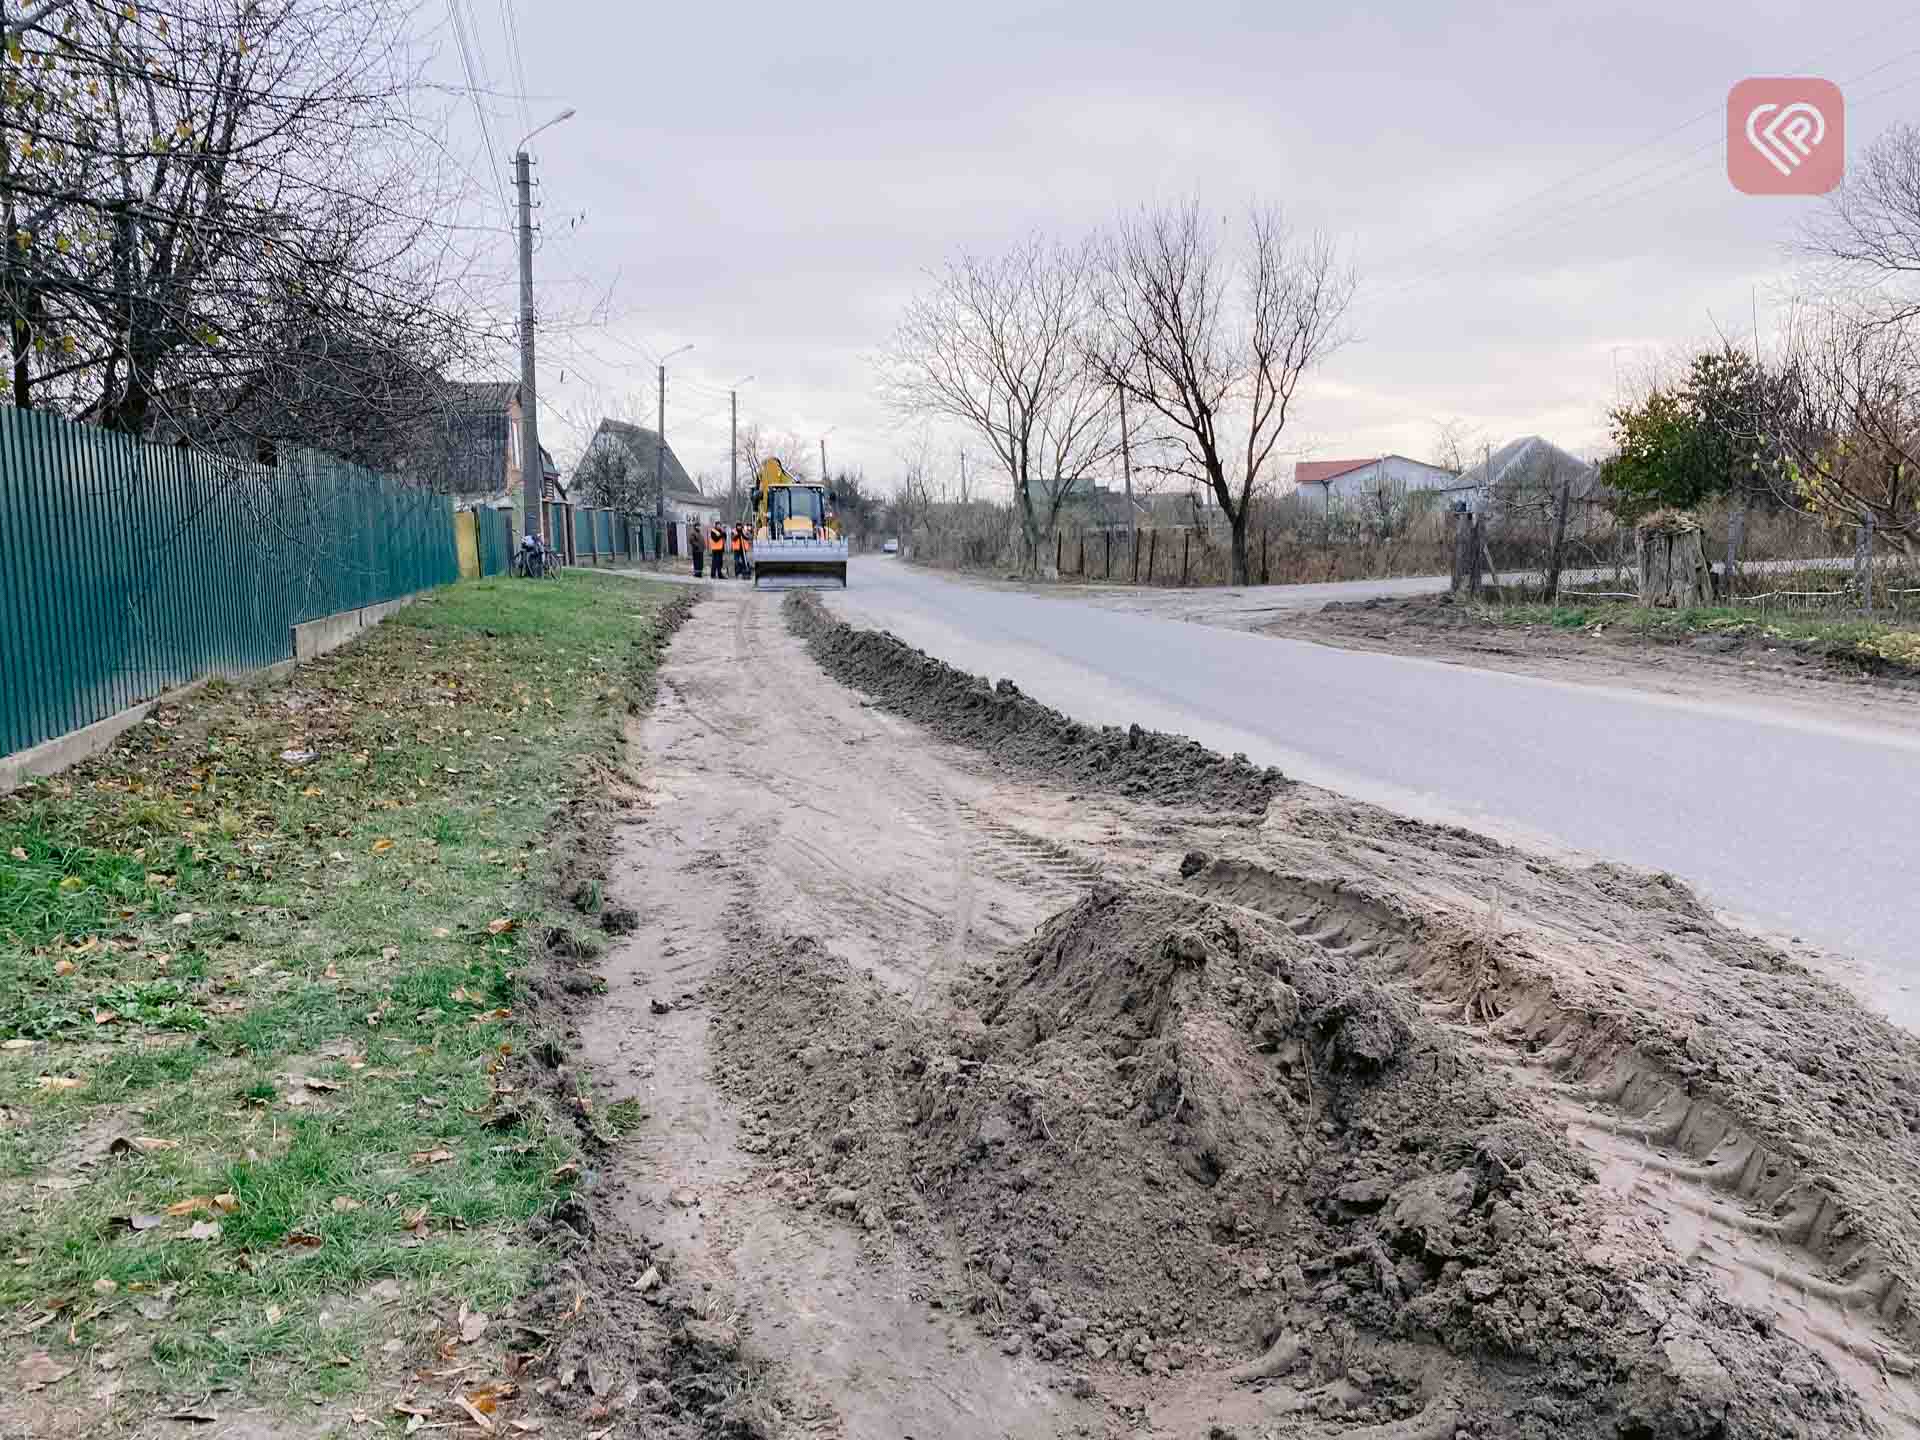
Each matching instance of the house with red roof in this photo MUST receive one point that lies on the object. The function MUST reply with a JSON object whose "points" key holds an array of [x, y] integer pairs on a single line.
{"points": [[1367, 474]]}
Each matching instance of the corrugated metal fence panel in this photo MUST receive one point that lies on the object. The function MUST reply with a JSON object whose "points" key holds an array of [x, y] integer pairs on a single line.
{"points": [[127, 569], [495, 542], [603, 522]]}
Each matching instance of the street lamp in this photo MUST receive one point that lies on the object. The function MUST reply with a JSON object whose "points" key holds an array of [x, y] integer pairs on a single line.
{"points": [[532, 471], [660, 443], [823, 451], [733, 452]]}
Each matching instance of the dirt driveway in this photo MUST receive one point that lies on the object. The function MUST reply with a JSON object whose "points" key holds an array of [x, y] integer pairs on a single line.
{"points": [[977, 1105]]}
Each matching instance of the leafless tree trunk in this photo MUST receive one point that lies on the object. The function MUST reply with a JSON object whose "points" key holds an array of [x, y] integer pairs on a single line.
{"points": [[1213, 343], [997, 345]]}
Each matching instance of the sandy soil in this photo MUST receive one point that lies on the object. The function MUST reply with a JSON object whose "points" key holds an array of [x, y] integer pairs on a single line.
{"points": [[976, 1105]]}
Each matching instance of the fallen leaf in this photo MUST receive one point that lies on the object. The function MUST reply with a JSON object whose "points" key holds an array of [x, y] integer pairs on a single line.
{"points": [[466, 996], [104, 1286], [17, 1043], [390, 953], [386, 1291], [144, 1222], [416, 1220], [485, 1422], [226, 1202], [61, 1082], [105, 1017], [141, 1144], [40, 1369], [325, 1086], [499, 926], [567, 1171], [525, 1427], [305, 1239], [473, 1326], [441, 932], [648, 1280], [185, 917], [273, 1314], [191, 1205], [204, 1230], [381, 846], [64, 967], [344, 1204], [72, 883], [432, 1157], [18, 853]]}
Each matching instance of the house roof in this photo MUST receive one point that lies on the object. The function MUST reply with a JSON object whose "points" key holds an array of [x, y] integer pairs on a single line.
{"points": [[695, 499], [1318, 472], [474, 395], [643, 444]]}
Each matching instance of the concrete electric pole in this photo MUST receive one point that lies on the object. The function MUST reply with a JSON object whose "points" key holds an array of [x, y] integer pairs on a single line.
{"points": [[660, 445], [531, 478], [532, 472]]}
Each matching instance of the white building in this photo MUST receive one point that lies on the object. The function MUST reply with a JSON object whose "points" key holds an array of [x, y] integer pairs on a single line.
{"points": [[1350, 478]]}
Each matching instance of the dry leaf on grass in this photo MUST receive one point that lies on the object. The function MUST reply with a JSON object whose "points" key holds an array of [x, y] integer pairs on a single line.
{"points": [[305, 1239], [40, 1369], [18, 853], [432, 1157], [344, 1204], [204, 1230], [499, 926], [381, 846], [274, 1313], [472, 1326], [61, 1082], [17, 1043], [325, 1087], [185, 917], [105, 1017], [64, 967]]}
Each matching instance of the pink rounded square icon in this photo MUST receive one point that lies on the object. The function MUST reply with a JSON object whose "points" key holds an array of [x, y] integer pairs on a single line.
{"points": [[1786, 136]]}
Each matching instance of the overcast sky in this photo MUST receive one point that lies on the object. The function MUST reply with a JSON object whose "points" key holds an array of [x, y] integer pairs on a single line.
{"points": [[1535, 195]]}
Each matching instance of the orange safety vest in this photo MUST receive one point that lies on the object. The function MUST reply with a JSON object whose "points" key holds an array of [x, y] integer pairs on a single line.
{"points": [[716, 539], [739, 541]]}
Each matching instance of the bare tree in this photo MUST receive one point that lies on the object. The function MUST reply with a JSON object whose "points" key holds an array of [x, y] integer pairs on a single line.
{"points": [[997, 345], [221, 226], [1456, 444], [1214, 343], [1870, 231], [1846, 416]]}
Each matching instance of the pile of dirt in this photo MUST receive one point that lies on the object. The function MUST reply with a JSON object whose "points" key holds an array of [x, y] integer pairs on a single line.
{"points": [[1168, 1133], [1020, 734]]}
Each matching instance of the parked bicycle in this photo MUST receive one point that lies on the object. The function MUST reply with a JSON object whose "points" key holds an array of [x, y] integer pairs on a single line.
{"points": [[535, 561]]}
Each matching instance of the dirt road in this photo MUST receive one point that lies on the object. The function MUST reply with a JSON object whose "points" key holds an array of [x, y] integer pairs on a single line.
{"points": [[981, 1106]]}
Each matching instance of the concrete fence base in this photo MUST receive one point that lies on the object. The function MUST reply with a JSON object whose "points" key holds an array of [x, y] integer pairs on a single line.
{"points": [[310, 640]]}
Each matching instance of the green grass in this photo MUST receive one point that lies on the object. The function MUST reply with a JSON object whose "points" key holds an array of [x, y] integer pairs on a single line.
{"points": [[193, 928], [1869, 644]]}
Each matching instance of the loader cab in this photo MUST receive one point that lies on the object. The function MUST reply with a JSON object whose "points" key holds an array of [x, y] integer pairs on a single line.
{"points": [[794, 511]]}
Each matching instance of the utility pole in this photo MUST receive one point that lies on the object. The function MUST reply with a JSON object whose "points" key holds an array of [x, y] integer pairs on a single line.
{"points": [[1126, 465], [531, 476], [733, 457], [823, 459], [963, 476], [660, 452]]}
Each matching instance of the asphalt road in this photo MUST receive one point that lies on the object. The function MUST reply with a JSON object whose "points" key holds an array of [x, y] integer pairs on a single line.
{"points": [[1800, 826]]}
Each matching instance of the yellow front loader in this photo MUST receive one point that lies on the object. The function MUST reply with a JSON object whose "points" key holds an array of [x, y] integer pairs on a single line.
{"points": [[797, 543]]}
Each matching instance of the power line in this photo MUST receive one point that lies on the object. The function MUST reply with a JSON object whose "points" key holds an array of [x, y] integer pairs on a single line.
{"points": [[461, 42], [1575, 211], [511, 24], [1591, 172]]}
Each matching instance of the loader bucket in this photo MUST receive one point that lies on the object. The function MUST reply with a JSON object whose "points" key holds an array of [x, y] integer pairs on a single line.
{"points": [[800, 565]]}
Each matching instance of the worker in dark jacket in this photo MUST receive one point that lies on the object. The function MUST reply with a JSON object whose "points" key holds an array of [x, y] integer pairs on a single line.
{"points": [[739, 552], [717, 550], [693, 544]]}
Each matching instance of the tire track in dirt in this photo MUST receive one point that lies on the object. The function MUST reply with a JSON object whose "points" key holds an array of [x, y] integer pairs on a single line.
{"points": [[1722, 1201]]}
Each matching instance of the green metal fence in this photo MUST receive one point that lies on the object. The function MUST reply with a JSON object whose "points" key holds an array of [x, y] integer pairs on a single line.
{"points": [[127, 569], [495, 534]]}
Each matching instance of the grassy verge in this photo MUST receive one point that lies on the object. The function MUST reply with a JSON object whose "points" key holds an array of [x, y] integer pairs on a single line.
{"points": [[1869, 645], [262, 1108]]}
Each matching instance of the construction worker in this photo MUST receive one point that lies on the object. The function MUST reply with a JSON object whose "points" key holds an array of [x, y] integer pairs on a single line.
{"points": [[739, 552], [717, 550], [693, 544]]}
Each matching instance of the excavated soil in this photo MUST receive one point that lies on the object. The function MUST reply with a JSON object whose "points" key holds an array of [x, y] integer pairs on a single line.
{"points": [[1019, 733], [1167, 1132], [972, 1104]]}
